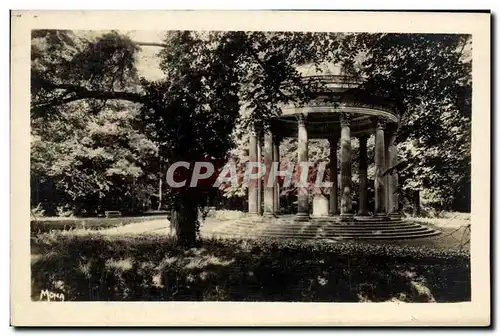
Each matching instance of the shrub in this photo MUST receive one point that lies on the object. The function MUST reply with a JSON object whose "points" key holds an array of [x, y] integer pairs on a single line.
{"points": [[149, 267], [37, 211], [64, 211]]}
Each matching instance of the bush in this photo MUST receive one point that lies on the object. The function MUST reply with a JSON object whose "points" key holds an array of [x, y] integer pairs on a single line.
{"points": [[148, 267], [37, 211], [64, 211]]}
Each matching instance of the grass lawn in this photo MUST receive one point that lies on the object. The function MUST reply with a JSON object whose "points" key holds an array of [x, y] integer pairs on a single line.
{"points": [[96, 267], [47, 224]]}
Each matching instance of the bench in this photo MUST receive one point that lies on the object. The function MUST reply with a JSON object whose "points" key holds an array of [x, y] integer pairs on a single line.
{"points": [[112, 214]]}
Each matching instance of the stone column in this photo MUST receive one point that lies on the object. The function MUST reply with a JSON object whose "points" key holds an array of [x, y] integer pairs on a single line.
{"points": [[345, 168], [392, 179], [276, 160], [396, 214], [388, 163], [253, 190], [303, 156], [380, 195], [268, 188], [363, 177], [334, 203], [259, 181]]}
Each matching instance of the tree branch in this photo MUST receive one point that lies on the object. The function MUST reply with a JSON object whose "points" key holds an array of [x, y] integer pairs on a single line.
{"points": [[151, 44], [83, 93]]}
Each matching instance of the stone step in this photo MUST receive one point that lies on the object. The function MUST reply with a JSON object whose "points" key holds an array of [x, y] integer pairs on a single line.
{"points": [[345, 233], [420, 229], [333, 233], [366, 222], [317, 222], [286, 227], [312, 220], [429, 233], [355, 219], [328, 226], [293, 220], [372, 227], [319, 219]]}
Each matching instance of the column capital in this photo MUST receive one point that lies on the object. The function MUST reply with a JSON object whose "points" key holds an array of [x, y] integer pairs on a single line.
{"points": [[261, 129], [301, 119], [268, 131], [381, 123], [252, 129], [345, 119]]}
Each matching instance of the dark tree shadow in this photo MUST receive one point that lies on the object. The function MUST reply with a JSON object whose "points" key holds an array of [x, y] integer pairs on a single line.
{"points": [[145, 268]]}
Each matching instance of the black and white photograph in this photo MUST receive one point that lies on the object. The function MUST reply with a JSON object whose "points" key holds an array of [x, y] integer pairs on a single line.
{"points": [[255, 166]]}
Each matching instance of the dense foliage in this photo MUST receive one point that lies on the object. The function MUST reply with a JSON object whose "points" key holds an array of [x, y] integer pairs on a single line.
{"points": [[85, 164], [429, 79]]}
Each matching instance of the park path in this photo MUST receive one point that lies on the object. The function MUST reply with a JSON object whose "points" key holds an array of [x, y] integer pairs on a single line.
{"points": [[161, 227], [138, 228]]}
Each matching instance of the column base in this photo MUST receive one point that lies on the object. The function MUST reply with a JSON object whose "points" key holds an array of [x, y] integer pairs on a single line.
{"points": [[253, 214], [363, 214], [332, 214], [302, 217], [381, 216], [395, 215], [269, 215], [346, 217]]}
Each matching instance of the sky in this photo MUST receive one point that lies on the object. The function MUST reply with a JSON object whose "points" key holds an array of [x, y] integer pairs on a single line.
{"points": [[147, 61]]}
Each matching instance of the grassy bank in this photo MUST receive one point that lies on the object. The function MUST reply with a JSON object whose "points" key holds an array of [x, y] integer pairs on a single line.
{"points": [[43, 225], [94, 267]]}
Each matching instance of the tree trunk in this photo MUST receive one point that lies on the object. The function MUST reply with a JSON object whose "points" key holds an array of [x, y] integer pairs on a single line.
{"points": [[160, 192], [184, 218]]}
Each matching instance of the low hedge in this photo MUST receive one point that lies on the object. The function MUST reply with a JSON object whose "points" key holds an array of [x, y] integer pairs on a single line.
{"points": [[43, 225], [148, 267]]}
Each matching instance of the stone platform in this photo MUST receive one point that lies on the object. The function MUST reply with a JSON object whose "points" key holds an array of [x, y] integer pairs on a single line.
{"points": [[287, 227]]}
